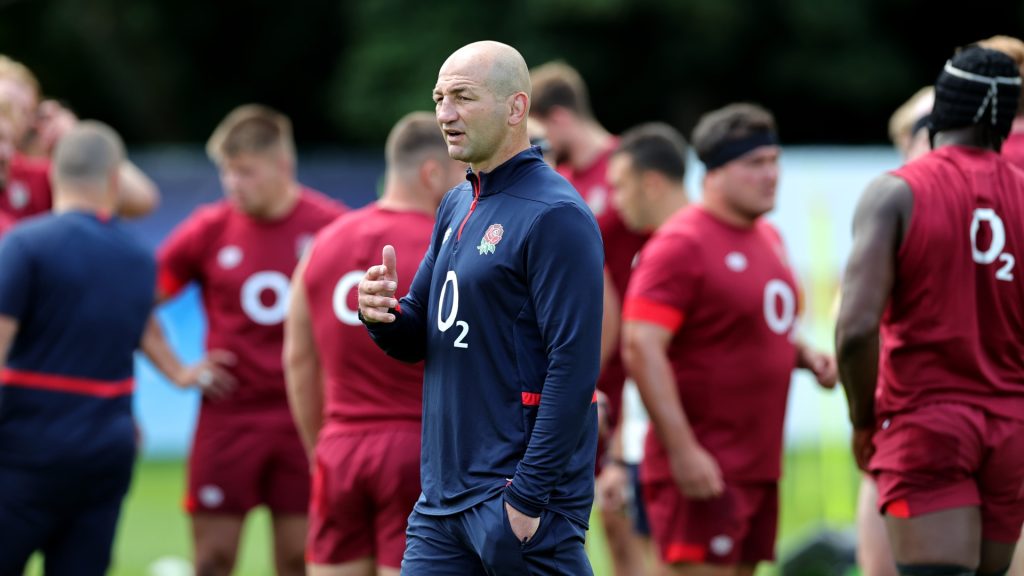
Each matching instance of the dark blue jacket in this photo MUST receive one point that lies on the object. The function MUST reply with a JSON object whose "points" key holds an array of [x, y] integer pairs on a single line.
{"points": [[82, 290], [506, 310]]}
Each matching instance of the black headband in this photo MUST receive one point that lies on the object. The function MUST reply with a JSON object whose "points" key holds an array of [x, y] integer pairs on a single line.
{"points": [[963, 98], [733, 149]]}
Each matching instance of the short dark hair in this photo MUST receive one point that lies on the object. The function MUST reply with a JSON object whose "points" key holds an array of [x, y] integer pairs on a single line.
{"points": [[655, 146], [727, 124], [87, 153], [558, 84], [412, 136]]}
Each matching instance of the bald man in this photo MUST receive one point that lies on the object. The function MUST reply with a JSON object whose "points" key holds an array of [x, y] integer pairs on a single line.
{"points": [[76, 290], [510, 328]]}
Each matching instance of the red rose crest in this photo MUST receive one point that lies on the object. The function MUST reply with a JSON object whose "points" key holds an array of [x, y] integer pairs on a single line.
{"points": [[491, 239]]}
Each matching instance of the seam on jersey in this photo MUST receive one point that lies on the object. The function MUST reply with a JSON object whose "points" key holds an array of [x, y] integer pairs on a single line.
{"points": [[551, 208], [513, 182]]}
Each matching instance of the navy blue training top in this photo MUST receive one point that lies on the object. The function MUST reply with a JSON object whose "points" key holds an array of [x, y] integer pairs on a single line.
{"points": [[82, 289], [506, 310]]}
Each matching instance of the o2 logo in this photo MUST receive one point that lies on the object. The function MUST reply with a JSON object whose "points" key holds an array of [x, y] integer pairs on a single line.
{"points": [[779, 306], [443, 324], [252, 301], [995, 248]]}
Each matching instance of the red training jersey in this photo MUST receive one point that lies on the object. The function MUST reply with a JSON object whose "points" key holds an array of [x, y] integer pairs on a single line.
{"points": [[953, 330], [28, 189], [243, 267], [621, 246], [730, 299], [1013, 149], [592, 182], [363, 385]]}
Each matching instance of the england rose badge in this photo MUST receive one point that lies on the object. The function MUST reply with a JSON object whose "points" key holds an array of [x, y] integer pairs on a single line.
{"points": [[490, 239]]}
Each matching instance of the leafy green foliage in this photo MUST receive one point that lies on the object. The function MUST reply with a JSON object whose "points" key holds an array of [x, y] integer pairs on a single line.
{"points": [[346, 70]]}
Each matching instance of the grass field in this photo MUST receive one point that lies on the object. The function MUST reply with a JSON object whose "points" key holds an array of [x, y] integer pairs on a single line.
{"points": [[818, 491]]}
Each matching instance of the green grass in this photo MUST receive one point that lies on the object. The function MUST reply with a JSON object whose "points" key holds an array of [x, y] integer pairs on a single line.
{"points": [[818, 491], [154, 525]]}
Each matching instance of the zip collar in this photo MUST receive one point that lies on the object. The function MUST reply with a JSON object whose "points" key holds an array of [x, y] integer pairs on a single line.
{"points": [[500, 179], [505, 175]]}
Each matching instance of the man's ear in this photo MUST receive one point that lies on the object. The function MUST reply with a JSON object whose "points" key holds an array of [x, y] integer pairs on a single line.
{"points": [[430, 174], [519, 106]]}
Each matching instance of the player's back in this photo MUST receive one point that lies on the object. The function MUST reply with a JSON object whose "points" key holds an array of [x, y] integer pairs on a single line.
{"points": [[954, 327], [363, 385], [84, 292]]}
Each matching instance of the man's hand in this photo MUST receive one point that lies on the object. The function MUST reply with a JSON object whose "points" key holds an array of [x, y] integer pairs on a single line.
{"points": [[377, 289], [863, 446], [612, 487], [210, 375], [697, 473], [523, 526], [822, 365], [53, 121]]}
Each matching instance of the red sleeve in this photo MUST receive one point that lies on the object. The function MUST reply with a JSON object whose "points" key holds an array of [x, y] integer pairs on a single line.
{"points": [[337, 208], [179, 259], [664, 283], [772, 232], [329, 206]]}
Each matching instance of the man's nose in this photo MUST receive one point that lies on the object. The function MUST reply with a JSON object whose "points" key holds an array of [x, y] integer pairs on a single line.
{"points": [[446, 111]]}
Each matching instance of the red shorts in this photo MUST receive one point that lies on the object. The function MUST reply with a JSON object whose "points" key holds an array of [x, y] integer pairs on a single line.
{"points": [[364, 488], [944, 456], [735, 528], [233, 469]]}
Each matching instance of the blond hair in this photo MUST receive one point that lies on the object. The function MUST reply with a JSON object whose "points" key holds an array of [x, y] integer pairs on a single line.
{"points": [[251, 128], [14, 70], [7, 111], [413, 137], [903, 119], [1012, 47]]}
